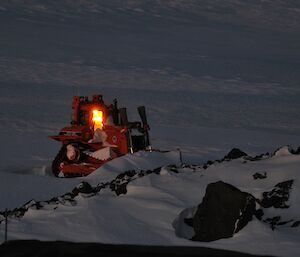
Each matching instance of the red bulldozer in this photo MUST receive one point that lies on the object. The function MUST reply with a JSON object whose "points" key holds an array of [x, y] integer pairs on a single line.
{"points": [[98, 134]]}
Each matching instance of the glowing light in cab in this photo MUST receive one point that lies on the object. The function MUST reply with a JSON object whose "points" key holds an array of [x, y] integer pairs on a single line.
{"points": [[97, 119]]}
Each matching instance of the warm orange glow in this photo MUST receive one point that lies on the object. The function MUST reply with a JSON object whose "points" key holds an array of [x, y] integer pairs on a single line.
{"points": [[97, 119]]}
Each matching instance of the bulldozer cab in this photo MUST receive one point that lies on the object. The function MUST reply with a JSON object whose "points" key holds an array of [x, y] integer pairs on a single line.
{"points": [[89, 112]]}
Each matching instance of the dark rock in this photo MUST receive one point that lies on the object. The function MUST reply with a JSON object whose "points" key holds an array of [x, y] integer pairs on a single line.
{"points": [[112, 186], [53, 200], [158, 170], [208, 163], [257, 157], [83, 188], [121, 189], [19, 212], [295, 151], [258, 175], [259, 214], [224, 211], [130, 173], [277, 221], [273, 221], [141, 174], [278, 197], [235, 153], [39, 205], [189, 221], [101, 186], [296, 224]]}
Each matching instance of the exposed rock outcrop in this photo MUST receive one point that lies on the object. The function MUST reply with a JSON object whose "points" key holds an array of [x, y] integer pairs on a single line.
{"points": [[224, 211]]}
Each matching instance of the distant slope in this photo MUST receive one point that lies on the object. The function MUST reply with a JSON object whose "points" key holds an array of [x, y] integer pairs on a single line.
{"points": [[197, 64], [276, 15]]}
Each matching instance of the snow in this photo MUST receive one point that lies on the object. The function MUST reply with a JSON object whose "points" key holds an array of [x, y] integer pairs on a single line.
{"points": [[211, 80], [147, 214]]}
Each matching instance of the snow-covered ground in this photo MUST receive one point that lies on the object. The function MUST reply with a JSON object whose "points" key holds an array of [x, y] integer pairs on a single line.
{"points": [[147, 212], [213, 75]]}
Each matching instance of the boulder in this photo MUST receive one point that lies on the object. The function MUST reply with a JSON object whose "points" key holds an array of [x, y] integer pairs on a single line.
{"points": [[224, 211], [235, 153], [83, 188], [258, 175]]}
